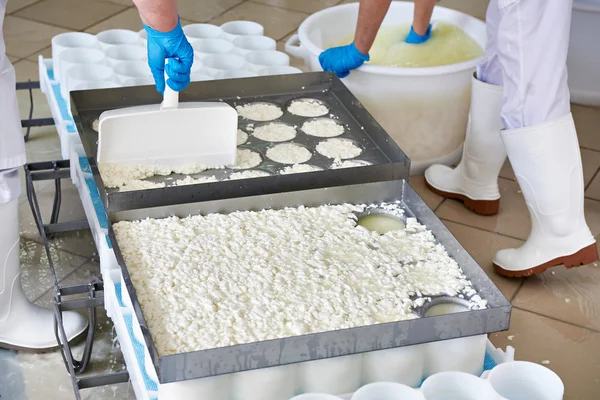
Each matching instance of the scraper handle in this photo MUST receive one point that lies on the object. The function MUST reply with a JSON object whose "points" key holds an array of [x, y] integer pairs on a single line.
{"points": [[170, 97]]}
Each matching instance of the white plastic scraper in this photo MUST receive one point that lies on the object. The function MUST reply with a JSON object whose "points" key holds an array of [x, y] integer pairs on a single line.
{"points": [[170, 134]]}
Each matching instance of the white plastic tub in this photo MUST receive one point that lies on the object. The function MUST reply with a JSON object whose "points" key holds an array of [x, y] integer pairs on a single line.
{"points": [[584, 53], [425, 110]]}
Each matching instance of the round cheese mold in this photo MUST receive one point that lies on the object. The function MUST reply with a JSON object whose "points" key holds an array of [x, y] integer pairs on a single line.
{"points": [[260, 111], [381, 223], [339, 149], [247, 159], [308, 108], [289, 153], [242, 137], [322, 127], [299, 169], [253, 173], [275, 132]]}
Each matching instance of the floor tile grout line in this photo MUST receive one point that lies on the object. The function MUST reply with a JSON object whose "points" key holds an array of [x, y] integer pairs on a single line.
{"points": [[286, 35], [591, 199], [224, 12], [24, 8], [506, 179], [44, 23], [590, 149], [514, 296], [279, 7], [591, 180], [36, 53], [556, 319], [41, 242], [107, 18], [71, 29], [63, 278], [481, 229], [439, 205]]}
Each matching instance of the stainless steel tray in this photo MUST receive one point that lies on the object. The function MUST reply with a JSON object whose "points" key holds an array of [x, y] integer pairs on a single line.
{"points": [[296, 349], [387, 160]]}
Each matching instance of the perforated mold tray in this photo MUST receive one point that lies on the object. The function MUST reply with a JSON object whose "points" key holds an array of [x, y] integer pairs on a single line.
{"points": [[380, 157]]}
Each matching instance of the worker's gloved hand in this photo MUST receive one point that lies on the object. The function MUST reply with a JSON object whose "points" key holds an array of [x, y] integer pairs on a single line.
{"points": [[415, 38], [341, 60], [173, 46]]}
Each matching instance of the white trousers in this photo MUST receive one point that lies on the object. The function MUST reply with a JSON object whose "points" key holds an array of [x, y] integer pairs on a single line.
{"points": [[12, 146], [526, 53]]}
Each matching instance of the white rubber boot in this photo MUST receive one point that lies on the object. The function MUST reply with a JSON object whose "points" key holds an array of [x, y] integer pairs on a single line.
{"points": [[24, 326], [547, 162], [475, 180]]}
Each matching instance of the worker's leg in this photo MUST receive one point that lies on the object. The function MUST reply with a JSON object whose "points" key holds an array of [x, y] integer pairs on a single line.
{"points": [[540, 136], [22, 324], [490, 70], [475, 179], [12, 147]]}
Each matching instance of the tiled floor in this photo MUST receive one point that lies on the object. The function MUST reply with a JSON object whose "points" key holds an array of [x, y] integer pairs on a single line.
{"points": [[556, 315]]}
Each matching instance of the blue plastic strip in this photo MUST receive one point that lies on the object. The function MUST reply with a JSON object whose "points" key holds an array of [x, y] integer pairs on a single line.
{"points": [[138, 348], [119, 294], [62, 105], [97, 202], [488, 363], [85, 165]]}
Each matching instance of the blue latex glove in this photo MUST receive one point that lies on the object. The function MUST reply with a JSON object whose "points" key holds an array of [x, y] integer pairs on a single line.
{"points": [[173, 46], [341, 60], [415, 38]]}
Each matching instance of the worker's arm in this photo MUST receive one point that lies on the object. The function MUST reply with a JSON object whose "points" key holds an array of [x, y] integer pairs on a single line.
{"points": [[421, 27], [166, 40], [341, 60], [370, 16], [160, 15]]}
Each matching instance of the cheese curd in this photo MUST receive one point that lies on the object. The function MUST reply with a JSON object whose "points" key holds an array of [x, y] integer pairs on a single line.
{"points": [[219, 280], [289, 153], [308, 108], [338, 149], [130, 177], [260, 111]]}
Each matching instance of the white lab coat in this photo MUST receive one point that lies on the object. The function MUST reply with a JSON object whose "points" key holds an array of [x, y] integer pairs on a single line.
{"points": [[526, 53], [12, 146]]}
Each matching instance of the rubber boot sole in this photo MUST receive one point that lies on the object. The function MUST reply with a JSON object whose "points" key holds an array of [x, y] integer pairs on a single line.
{"points": [[481, 207], [585, 256], [76, 340]]}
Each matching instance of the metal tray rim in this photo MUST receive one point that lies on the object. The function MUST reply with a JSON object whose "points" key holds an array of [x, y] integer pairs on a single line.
{"points": [[210, 362]]}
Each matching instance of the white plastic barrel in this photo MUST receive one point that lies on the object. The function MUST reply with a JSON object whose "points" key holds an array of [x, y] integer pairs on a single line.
{"points": [[425, 110], [583, 62]]}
